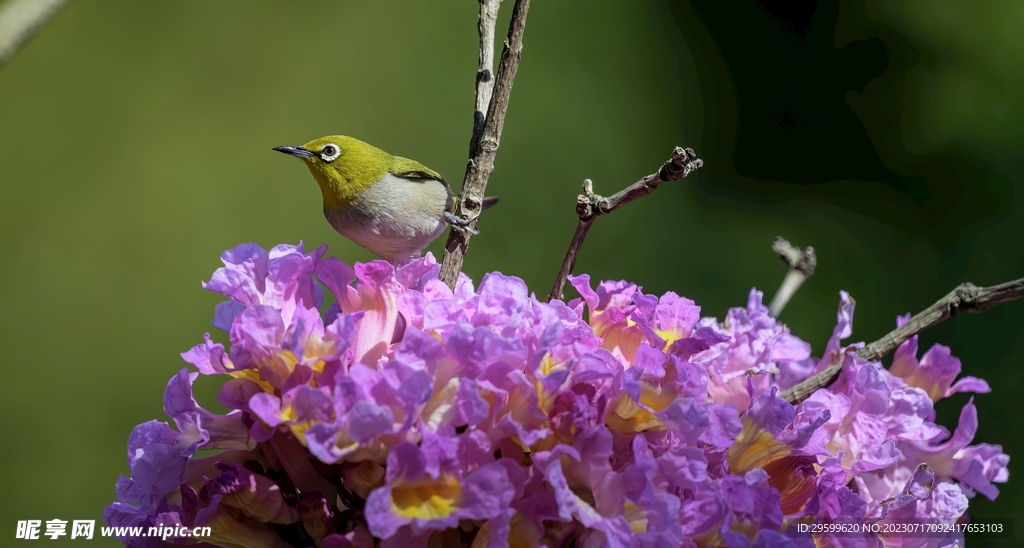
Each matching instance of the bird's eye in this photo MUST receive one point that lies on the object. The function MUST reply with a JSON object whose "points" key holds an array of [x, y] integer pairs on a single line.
{"points": [[329, 152]]}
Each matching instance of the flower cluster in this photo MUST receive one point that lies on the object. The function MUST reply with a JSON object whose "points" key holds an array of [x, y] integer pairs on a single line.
{"points": [[406, 414]]}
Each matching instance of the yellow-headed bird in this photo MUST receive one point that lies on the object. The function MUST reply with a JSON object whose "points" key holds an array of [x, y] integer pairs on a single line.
{"points": [[390, 205]]}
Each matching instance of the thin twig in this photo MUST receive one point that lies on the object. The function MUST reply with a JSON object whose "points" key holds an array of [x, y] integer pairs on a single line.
{"points": [[589, 205], [801, 266], [584, 208], [967, 297], [484, 144], [20, 19]]}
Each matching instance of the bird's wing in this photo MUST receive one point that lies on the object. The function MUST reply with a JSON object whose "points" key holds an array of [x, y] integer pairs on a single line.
{"points": [[411, 169]]}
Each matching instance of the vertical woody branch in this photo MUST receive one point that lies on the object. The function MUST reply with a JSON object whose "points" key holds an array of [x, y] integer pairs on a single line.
{"points": [[486, 135], [486, 23]]}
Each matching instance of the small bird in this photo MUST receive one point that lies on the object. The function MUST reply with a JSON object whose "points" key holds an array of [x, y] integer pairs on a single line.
{"points": [[390, 205]]}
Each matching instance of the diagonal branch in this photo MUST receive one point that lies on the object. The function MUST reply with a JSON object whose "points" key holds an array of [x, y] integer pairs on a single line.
{"points": [[967, 297], [20, 19], [801, 266], [589, 205], [486, 135]]}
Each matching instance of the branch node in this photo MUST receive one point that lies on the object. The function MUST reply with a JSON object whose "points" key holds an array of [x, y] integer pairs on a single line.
{"points": [[488, 145], [966, 299], [801, 266], [805, 261]]}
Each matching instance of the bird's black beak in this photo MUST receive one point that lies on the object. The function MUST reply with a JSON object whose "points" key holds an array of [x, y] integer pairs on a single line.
{"points": [[295, 151]]}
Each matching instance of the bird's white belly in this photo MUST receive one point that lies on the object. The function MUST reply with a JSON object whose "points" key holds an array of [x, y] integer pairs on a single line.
{"points": [[395, 218]]}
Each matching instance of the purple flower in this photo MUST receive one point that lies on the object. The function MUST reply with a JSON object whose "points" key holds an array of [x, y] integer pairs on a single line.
{"points": [[208, 430], [408, 414], [775, 442], [935, 372], [976, 467], [255, 496], [755, 347], [426, 490]]}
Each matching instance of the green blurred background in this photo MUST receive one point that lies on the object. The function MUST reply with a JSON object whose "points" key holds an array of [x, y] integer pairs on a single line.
{"points": [[135, 147]]}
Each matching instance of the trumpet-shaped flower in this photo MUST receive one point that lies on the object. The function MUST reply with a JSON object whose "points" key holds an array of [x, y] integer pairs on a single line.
{"points": [[408, 414]]}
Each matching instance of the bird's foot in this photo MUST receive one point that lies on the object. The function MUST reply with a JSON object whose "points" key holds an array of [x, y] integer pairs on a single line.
{"points": [[461, 224]]}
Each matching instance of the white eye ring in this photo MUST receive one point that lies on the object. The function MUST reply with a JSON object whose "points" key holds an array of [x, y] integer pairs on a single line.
{"points": [[330, 152]]}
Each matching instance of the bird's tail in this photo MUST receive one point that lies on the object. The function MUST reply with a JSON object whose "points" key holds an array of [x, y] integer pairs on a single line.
{"points": [[460, 224], [487, 202]]}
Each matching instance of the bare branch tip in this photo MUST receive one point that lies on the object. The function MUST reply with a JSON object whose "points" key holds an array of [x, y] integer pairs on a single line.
{"points": [[588, 187], [683, 162], [786, 251], [805, 261], [801, 266]]}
